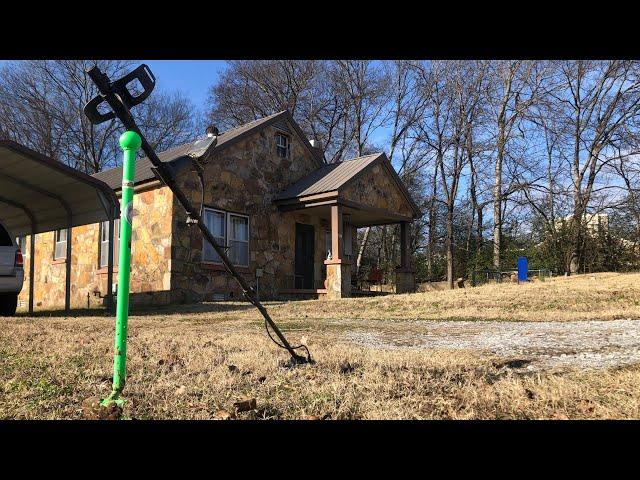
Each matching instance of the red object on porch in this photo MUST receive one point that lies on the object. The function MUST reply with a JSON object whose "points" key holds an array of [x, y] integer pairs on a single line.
{"points": [[374, 277]]}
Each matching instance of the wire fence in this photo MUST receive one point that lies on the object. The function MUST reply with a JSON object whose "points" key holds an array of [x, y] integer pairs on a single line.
{"points": [[481, 277]]}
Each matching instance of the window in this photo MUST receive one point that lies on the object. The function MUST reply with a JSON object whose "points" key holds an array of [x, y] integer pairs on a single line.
{"points": [[229, 230], [104, 242], [347, 238], [327, 243], [61, 244], [215, 222], [239, 240], [282, 145]]}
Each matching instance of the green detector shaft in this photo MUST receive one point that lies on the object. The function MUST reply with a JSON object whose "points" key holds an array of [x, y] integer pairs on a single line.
{"points": [[130, 143]]}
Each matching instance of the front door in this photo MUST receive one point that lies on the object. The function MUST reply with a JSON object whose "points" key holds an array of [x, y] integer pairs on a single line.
{"points": [[304, 256]]}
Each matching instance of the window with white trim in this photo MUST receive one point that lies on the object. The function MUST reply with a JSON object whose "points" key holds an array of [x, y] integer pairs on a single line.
{"points": [[239, 239], [347, 238], [104, 242], [230, 230], [216, 223], [60, 250], [282, 145]]}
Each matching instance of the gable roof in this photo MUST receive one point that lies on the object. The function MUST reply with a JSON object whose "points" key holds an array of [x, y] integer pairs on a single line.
{"points": [[338, 175], [113, 177], [328, 178]]}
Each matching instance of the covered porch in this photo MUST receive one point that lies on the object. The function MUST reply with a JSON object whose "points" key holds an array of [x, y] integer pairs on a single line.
{"points": [[338, 199]]}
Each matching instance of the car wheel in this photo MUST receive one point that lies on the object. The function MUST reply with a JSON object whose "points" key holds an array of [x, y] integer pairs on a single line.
{"points": [[8, 304]]}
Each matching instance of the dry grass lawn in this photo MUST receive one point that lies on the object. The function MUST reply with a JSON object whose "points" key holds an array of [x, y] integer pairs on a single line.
{"points": [[181, 360]]}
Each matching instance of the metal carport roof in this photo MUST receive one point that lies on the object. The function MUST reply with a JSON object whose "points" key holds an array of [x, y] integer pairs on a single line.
{"points": [[39, 194], [49, 191]]}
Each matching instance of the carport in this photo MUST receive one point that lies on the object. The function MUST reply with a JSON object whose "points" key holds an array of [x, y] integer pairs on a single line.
{"points": [[39, 194]]}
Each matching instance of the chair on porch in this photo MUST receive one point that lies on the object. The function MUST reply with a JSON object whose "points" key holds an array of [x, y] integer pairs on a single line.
{"points": [[374, 277]]}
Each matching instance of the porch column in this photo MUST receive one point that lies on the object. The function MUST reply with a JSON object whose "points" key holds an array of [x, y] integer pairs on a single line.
{"points": [[336, 232], [338, 269], [405, 274], [404, 245]]}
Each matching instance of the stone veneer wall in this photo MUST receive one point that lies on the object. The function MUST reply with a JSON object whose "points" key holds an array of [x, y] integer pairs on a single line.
{"points": [[376, 188], [151, 260], [151, 247], [50, 274], [243, 178]]}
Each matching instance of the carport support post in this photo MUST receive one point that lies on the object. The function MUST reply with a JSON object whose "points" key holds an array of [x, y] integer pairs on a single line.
{"points": [[67, 284], [110, 267], [32, 265], [130, 143]]}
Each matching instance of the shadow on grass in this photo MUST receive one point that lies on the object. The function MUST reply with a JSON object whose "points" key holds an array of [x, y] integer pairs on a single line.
{"points": [[145, 310]]}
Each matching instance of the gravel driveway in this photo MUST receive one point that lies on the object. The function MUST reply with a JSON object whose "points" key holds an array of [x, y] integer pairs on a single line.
{"points": [[583, 344]]}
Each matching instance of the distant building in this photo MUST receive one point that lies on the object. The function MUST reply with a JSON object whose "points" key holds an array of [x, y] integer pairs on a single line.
{"points": [[593, 221]]}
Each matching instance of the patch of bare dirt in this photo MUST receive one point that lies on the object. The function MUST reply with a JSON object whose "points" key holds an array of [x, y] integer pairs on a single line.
{"points": [[582, 344]]}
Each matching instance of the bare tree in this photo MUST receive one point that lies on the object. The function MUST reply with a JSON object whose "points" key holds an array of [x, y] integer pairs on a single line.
{"points": [[252, 89], [514, 87], [595, 100], [41, 105]]}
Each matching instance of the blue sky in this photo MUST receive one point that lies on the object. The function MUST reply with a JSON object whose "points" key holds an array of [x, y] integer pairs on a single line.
{"points": [[192, 77]]}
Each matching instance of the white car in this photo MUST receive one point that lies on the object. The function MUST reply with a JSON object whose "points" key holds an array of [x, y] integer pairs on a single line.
{"points": [[11, 272]]}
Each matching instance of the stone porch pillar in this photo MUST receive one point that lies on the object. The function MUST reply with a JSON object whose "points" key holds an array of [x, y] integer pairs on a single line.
{"points": [[338, 268], [405, 274]]}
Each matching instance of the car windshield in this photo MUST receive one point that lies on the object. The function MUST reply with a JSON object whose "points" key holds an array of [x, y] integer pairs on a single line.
{"points": [[5, 238]]}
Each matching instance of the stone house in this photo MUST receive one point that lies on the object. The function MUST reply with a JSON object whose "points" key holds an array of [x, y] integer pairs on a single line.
{"points": [[288, 220]]}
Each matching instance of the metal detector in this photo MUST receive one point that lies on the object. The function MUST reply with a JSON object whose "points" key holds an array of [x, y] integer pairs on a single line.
{"points": [[115, 99]]}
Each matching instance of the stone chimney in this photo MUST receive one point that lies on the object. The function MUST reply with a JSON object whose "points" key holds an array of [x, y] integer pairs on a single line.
{"points": [[212, 131], [317, 146]]}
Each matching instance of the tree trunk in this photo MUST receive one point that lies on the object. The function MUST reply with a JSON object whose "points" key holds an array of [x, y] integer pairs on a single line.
{"points": [[432, 226], [450, 248], [430, 246], [497, 213], [363, 245], [479, 238]]}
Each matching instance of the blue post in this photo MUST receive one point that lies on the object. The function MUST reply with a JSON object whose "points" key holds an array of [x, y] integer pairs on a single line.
{"points": [[523, 269]]}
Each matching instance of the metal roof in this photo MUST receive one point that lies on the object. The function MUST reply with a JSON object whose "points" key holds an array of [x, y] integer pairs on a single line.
{"points": [[328, 178], [144, 173], [113, 177], [38, 189], [335, 176]]}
